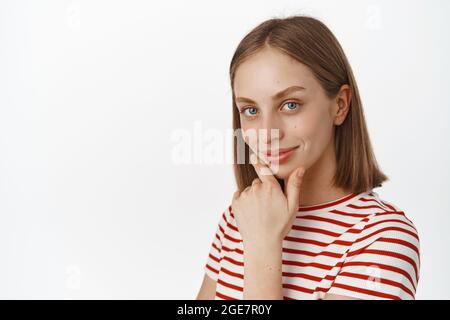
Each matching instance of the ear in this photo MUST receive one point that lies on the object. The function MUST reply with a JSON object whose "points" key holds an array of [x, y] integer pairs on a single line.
{"points": [[342, 101]]}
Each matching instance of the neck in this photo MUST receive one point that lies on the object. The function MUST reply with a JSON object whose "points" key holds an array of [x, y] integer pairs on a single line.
{"points": [[317, 185]]}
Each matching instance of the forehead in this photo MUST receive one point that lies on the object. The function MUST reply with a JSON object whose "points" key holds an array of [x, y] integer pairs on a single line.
{"points": [[269, 71]]}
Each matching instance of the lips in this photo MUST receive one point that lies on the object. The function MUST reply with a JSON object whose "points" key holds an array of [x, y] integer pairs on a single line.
{"points": [[279, 151]]}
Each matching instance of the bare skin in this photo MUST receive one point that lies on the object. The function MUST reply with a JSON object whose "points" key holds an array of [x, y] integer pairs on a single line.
{"points": [[305, 118]]}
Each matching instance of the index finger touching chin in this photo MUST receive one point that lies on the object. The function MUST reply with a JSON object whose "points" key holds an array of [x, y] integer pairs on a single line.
{"points": [[262, 170]]}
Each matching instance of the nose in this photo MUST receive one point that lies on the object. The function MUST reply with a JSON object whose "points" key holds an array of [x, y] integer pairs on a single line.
{"points": [[270, 130]]}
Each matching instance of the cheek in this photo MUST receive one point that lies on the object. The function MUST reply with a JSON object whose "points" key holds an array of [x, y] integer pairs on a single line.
{"points": [[313, 134]]}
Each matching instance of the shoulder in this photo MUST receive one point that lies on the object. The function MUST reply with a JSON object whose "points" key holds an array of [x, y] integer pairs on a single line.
{"points": [[388, 231], [227, 216], [391, 235], [386, 248], [381, 218], [227, 223], [392, 221]]}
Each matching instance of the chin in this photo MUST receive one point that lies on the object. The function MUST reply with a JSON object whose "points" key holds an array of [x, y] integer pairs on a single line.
{"points": [[282, 171]]}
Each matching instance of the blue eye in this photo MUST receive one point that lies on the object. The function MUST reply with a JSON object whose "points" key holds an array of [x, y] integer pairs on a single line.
{"points": [[252, 111], [291, 105]]}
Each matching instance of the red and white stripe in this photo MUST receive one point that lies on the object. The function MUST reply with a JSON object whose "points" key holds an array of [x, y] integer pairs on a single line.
{"points": [[358, 246]]}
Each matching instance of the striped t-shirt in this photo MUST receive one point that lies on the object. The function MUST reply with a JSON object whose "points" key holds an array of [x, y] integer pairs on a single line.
{"points": [[358, 246]]}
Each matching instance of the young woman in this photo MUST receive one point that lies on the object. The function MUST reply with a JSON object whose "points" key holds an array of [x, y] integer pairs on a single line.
{"points": [[305, 222]]}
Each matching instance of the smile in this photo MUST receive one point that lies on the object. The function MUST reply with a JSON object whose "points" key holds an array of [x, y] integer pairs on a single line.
{"points": [[280, 155]]}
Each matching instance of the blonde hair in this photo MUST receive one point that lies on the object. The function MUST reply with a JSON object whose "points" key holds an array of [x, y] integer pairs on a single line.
{"points": [[310, 42]]}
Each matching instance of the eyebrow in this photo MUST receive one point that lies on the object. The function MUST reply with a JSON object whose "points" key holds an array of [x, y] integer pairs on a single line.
{"points": [[275, 96]]}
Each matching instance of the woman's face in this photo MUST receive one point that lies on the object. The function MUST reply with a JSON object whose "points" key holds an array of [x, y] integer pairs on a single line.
{"points": [[303, 114]]}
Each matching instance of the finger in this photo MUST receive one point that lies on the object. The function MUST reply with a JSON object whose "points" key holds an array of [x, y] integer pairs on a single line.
{"points": [[262, 170], [293, 189]]}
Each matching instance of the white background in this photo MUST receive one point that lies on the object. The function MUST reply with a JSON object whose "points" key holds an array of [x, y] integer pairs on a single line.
{"points": [[92, 204]]}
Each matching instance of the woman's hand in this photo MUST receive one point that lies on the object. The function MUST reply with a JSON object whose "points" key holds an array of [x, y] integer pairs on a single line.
{"points": [[263, 213]]}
